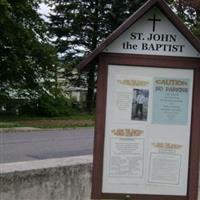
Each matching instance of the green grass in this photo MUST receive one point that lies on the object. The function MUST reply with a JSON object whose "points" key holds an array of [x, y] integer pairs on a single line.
{"points": [[22, 118], [8, 125], [82, 120]]}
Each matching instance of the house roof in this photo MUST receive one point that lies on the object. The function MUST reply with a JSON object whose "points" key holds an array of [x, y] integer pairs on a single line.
{"points": [[92, 57]]}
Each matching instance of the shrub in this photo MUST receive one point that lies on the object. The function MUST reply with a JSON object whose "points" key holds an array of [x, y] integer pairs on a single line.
{"points": [[50, 106]]}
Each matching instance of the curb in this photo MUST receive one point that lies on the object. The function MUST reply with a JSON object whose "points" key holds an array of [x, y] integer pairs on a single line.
{"points": [[20, 129], [32, 129]]}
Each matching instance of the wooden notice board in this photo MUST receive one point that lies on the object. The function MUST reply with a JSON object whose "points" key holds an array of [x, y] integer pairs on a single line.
{"points": [[155, 156], [147, 130]]}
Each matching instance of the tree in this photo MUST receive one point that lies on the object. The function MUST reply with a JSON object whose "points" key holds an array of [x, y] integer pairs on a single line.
{"points": [[79, 26], [121, 10], [26, 58], [189, 12]]}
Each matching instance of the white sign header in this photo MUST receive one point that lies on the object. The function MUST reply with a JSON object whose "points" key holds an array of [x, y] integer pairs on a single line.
{"points": [[153, 34]]}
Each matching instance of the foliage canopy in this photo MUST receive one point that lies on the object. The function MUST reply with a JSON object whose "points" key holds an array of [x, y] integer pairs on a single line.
{"points": [[26, 58]]}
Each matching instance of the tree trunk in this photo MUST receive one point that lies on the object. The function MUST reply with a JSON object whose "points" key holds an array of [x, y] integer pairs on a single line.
{"points": [[91, 73], [90, 91]]}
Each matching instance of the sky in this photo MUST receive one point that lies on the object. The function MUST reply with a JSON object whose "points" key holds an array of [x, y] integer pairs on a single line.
{"points": [[44, 10]]}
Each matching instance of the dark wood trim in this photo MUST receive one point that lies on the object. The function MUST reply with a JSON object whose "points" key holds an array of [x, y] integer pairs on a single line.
{"points": [[149, 60], [195, 139], [141, 197], [146, 61], [131, 20], [99, 129]]}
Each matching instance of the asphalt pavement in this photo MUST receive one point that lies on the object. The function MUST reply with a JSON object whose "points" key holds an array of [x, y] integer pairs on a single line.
{"points": [[44, 144]]}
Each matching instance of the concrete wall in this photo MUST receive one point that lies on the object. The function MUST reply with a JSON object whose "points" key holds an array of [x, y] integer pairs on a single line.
{"points": [[53, 179]]}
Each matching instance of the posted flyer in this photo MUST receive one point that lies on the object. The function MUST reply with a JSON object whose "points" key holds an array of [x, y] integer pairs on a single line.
{"points": [[171, 101], [127, 153], [165, 163]]}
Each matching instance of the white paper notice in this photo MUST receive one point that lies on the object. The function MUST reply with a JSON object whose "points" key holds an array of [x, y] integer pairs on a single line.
{"points": [[144, 151], [165, 168], [127, 157]]}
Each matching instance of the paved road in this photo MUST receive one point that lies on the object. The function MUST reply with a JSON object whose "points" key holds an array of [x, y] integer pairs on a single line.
{"points": [[36, 145]]}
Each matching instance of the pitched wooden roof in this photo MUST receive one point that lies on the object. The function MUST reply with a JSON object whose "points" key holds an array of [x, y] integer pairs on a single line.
{"points": [[91, 58]]}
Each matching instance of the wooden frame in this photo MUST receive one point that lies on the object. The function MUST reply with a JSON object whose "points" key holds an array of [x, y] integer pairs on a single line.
{"points": [[145, 61]]}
